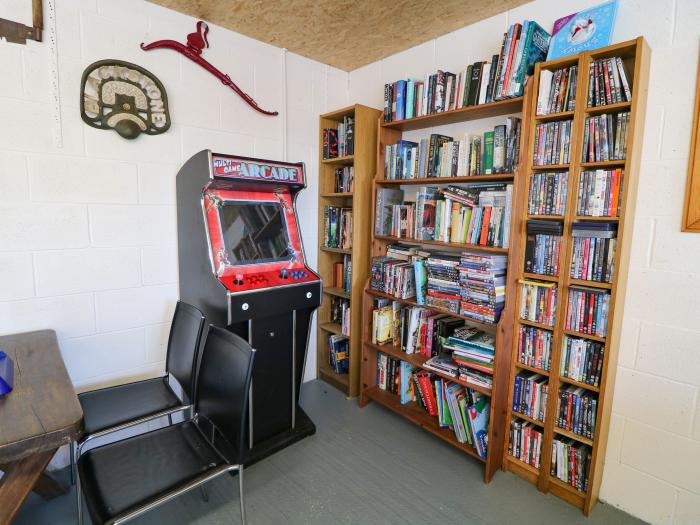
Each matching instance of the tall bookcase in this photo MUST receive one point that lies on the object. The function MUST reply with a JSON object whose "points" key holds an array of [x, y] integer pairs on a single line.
{"points": [[363, 161], [635, 55], [390, 133]]}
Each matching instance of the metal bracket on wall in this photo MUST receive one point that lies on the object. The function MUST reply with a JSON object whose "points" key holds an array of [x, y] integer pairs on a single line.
{"points": [[18, 33]]}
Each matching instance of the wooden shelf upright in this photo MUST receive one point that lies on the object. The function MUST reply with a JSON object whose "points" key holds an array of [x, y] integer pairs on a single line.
{"points": [[635, 55], [390, 133], [363, 162]]}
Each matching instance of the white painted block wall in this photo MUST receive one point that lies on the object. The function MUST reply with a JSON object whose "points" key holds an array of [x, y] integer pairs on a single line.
{"points": [[87, 231], [653, 456]]}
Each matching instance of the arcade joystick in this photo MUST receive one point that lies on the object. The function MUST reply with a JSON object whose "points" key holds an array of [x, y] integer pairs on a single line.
{"points": [[283, 273], [238, 279]]}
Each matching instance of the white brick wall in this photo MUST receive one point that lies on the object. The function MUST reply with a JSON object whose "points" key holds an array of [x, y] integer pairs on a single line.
{"points": [[652, 461]]}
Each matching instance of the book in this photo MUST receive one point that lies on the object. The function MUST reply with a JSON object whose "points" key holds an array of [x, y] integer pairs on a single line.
{"points": [[538, 301], [386, 199], [583, 31], [535, 347], [571, 462], [542, 244]]}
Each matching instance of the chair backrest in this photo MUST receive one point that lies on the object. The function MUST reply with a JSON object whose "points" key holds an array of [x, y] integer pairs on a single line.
{"points": [[183, 346], [225, 373]]}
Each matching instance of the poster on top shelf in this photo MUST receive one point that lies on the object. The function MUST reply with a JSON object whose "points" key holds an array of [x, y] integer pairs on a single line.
{"points": [[583, 31]]}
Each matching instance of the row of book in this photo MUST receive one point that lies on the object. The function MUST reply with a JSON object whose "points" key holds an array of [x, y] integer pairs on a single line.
{"points": [[340, 313], [525, 442], [445, 364], [582, 360], [557, 90], [530, 394], [344, 179], [535, 347], [482, 278], [542, 246], [576, 410], [482, 82], [472, 349], [608, 82], [605, 137], [571, 462], [339, 141], [339, 353], [538, 302], [587, 311], [547, 193], [342, 273], [337, 227], [600, 193], [594, 245], [441, 156], [393, 276], [552, 141]]}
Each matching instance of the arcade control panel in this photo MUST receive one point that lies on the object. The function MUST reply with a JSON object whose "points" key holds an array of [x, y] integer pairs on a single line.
{"points": [[256, 279]]}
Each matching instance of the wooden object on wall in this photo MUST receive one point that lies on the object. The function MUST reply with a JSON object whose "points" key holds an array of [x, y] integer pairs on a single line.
{"points": [[691, 208], [360, 200], [18, 33]]}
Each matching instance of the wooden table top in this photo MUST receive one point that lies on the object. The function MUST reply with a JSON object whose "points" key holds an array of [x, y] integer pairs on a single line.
{"points": [[42, 412]]}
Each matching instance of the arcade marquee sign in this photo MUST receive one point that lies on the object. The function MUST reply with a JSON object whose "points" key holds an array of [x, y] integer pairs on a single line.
{"points": [[253, 169]]}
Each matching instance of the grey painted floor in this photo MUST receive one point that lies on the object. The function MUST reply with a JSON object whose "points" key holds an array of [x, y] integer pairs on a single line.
{"points": [[363, 466]]}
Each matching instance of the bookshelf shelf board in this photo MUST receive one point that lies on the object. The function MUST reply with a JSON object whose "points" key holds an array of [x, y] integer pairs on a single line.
{"points": [[537, 276], [549, 167], [569, 493], [523, 366], [333, 328], [335, 250], [565, 379], [591, 218], [420, 417], [338, 195], [563, 115], [453, 245], [531, 472], [412, 302], [419, 360], [573, 435], [610, 108], [528, 418], [585, 336], [491, 109], [547, 217], [340, 381], [604, 164], [591, 284], [536, 325], [338, 292], [446, 180], [343, 161]]}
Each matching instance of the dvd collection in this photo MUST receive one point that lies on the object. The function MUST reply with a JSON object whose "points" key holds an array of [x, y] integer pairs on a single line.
{"points": [[552, 141], [525, 442], [587, 311], [557, 90], [534, 347], [605, 137], [530, 394], [576, 410], [547, 193], [542, 246], [594, 245], [339, 141], [344, 179], [608, 82], [582, 360], [538, 302], [599, 193], [571, 462]]}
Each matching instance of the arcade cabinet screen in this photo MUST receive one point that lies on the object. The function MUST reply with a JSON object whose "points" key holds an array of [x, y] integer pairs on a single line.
{"points": [[254, 232]]}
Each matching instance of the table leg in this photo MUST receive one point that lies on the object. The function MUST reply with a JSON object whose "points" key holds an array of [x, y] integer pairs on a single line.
{"points": [[18, 481]]}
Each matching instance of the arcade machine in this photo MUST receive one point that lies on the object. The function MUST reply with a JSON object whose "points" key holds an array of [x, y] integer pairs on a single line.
{"points": [[241, 261]]}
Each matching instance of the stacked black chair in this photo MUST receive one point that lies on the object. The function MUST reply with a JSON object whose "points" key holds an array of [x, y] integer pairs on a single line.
{"points": [[126, 479]]}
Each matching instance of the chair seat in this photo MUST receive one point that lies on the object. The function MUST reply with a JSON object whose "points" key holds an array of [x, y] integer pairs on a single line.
{"points": [[110, 407], [119, 476]]}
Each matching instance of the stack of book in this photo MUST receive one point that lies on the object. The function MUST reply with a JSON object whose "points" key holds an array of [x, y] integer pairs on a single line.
{"points": [[530, 394], [443, 287], [599, 193], [482, 82], [582, 360], [393, 276], [557, 91], [542, 246], [339, 141], [594, 251], [496, 151], [337, 227], [588, 311], [525, 442], [342, 274], [472, 349], [344, 178], [338, 353], [482, 278], [538, 302], [547, 194], [340, 313], [576, 410], [552, 143], [605, 137], [534, 347], [607, 82], [570, 462]]}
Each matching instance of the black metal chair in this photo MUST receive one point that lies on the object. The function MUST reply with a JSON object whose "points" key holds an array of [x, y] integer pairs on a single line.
{"points": [[116, 408], [126, 479]]}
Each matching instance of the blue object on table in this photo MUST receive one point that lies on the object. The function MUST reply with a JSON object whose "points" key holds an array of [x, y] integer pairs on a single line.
{"points": [[7, 373]]}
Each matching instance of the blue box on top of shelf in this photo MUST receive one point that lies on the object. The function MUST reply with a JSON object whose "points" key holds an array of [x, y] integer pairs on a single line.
{"points": [[7, 373]]}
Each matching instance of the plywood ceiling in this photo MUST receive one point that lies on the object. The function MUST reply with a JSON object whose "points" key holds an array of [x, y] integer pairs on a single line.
{"points": [[345, 34]]}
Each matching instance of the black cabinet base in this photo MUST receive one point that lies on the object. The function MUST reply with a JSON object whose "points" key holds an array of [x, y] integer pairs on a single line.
{"points": [[304, 427]]}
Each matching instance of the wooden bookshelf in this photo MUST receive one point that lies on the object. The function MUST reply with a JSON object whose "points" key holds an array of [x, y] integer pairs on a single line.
{"points": [[390, 133], [635, 55], [363, 161]]}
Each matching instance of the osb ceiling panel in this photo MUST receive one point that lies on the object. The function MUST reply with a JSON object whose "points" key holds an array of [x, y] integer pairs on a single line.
{"points": [[345, 34]]}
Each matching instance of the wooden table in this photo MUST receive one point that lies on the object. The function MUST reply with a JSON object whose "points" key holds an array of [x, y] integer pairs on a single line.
{"points": [[41, 414]]}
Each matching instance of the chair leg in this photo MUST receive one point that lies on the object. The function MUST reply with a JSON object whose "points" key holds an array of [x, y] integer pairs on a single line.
{"points": [[78, 499], [240, 492], [170, 419], [72, 462]]}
